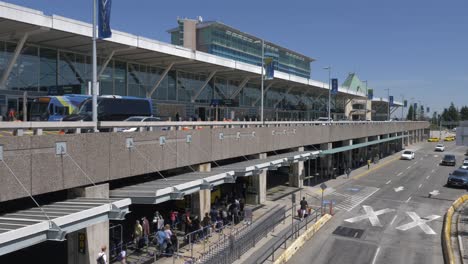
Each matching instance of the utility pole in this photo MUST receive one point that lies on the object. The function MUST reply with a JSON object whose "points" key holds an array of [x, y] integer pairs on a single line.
{"points": [[329, 92], [95, 119]]}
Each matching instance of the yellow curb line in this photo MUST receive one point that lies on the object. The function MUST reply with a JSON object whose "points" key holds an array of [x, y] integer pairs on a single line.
{"points": [[447, 229], [299, 242]]}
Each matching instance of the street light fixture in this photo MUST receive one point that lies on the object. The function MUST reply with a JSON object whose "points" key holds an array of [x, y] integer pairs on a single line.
{"points": [[388, 98], [329, 92], [262, 42], [367, 97]]}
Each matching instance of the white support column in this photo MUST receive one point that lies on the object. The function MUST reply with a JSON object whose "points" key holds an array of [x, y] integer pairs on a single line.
{"points": [[161, 78], [348, 155], [326, 161], [297, 172], [259, 183], [239, 89], [12, 62], [94, 236], [202, 200], [212, 74]]}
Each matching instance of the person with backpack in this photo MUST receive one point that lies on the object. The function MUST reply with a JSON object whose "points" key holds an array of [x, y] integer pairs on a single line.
{"points": [[102, 258]]}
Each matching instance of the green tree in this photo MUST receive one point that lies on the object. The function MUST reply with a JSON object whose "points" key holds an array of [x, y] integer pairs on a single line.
{"points": [[434, 119], [464, 113], [410, 114], [452, 113]]}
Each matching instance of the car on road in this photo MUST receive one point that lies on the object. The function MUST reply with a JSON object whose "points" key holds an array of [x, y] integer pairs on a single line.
{"points": [[449, 160], [138, 119], [464, 166], [449, 138], [458, 177], [433, 139], [324, 119], [440, 147], [407, 155]]}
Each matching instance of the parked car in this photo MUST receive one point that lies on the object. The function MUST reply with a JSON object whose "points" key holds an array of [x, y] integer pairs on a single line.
{"points": [[449, 160], [433, 139], [440, 147], [139, 119], [458, 177], [324, 119], [407, 155]]}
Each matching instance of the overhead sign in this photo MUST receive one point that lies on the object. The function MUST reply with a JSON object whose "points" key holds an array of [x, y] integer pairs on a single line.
{"points": [[370, 94], [391, 100], [104, 12], [269, 68], [334, 89]]}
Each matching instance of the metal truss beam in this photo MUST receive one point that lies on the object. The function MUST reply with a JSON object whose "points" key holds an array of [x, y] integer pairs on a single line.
{"points": [[264, 92], [158, 82], [212, 74], [239, 89]]}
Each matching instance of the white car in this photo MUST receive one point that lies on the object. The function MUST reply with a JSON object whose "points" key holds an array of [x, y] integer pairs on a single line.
{"points": [[440, 147], [138, 119], [464, 165], [407, 155]]}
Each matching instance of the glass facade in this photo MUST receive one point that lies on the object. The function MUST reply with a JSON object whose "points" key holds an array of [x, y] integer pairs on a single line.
{"points": [[47, 71], [218, 39]]}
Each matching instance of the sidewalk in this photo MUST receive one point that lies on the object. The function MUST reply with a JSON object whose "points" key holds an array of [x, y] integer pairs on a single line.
{"points": [[460, 233], [280, 195]]}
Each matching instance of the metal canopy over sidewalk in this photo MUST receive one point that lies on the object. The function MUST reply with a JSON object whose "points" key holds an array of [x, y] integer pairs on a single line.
{"points": [[359, 145], [176, 187], [32, 226]]}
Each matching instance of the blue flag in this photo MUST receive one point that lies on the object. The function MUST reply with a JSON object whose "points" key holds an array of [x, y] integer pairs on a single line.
{"points": [[104, 12], [405, 103], [334, 88], [391, 100], [269, 68], [370, 94]]}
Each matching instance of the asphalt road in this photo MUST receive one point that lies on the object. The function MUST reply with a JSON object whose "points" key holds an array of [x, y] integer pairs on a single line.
{"points": [[386, 215]]}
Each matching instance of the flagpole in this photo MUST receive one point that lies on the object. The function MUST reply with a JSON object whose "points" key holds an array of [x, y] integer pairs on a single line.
{"points": [[94, 84]]}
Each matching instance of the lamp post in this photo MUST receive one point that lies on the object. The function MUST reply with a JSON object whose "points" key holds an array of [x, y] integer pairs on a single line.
{"points": [[367, 97], [262, 42], [94, 85], [329, 92], [388, 108]]}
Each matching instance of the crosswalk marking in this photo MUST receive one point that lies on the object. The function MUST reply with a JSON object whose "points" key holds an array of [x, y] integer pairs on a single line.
{"points": [[353, 200]]}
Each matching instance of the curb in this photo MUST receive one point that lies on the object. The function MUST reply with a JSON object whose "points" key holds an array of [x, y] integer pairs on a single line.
{"points": [[299, 242], [447, 246]]}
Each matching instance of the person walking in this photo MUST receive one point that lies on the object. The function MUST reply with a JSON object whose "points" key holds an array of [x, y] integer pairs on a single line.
{"points": [[158, 221], [207, 223], [102, 258], [304, 205], [348, 172], [368, 163]]}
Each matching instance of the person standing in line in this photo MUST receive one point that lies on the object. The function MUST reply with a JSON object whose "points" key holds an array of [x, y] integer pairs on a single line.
{"points": [[137, 233], [146, 230], [102, 258], [158, 221]]}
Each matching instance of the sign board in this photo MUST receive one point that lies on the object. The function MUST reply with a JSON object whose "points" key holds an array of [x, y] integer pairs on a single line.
{"points": [[82, 243], [323, 186], [334, 88], [248, 214], [462, 134]]}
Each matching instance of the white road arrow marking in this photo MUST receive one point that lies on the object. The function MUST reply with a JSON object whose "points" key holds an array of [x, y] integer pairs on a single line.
{"points": [[371, 215], [399, 174], [434, 192], [399, 189], [388, 182], [418, 221]]}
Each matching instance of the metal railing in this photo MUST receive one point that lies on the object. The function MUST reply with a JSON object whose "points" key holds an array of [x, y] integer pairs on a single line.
{"points": [[18, 128], [231, 248], [291, 233]]}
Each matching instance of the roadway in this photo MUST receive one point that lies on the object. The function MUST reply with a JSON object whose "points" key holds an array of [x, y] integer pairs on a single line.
{"points": [[385, 216]]}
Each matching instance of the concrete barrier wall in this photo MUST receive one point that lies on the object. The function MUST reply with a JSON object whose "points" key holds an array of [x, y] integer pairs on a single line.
{"points": [[104, 156]]}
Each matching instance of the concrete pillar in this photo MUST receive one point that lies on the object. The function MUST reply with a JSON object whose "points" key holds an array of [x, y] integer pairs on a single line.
{"points": [[297, 172], [201, 201], [259, 183], [326, 161], [348, 155], [94, 236]]}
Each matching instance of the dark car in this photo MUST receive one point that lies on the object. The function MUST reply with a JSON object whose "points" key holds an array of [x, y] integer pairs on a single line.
{"points": [[458, 177], [449, 160]]}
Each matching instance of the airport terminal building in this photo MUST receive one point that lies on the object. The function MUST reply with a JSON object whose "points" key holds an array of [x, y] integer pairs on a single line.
{"points": [[210, 71]]}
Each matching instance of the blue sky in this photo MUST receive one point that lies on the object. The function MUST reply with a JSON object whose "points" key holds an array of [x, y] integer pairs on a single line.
{"points": [[418, 48]]}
